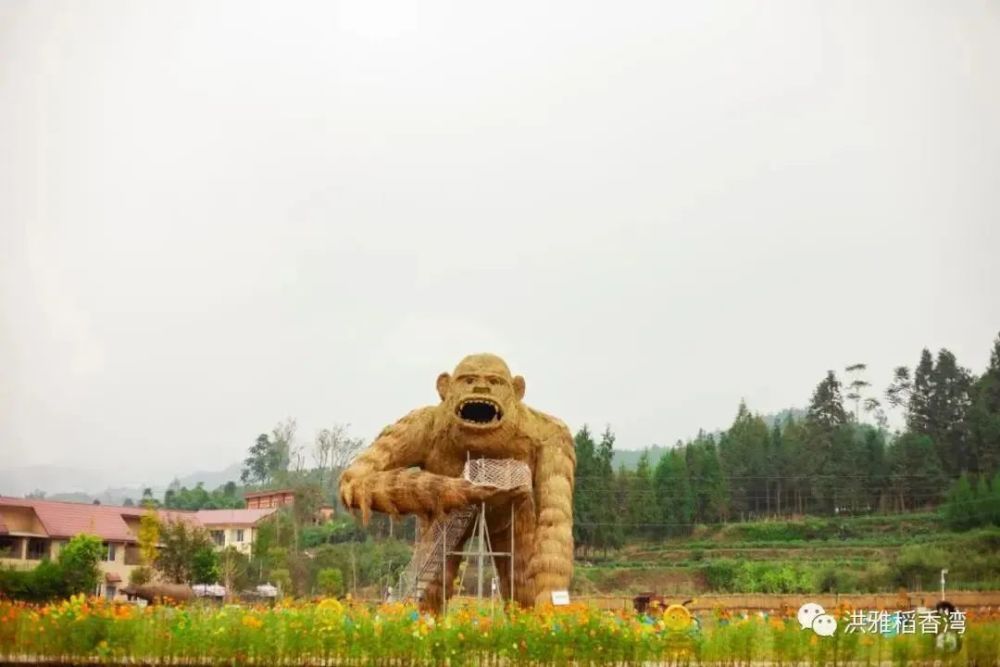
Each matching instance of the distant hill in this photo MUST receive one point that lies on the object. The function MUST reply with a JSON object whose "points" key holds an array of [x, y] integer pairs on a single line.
{"points": [[630, 457], [86, 486]]}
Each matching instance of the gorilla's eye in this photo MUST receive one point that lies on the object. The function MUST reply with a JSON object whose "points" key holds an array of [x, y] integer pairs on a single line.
{"points": [[494, 381], [470, 380]]}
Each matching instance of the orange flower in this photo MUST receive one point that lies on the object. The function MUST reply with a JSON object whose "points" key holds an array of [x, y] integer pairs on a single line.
{"points": [[252, 621]]}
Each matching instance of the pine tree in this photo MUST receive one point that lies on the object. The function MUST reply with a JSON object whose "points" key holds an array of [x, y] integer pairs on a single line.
{"points": [[742, 452], [875, 466], [673, 492], [982, 510], [918, 416], [984, 417], [623, 502], [584, 500], [957, 510], [995, 500], [708, 485], [608, 533], [642, 508], [824, 419], [949, 404], [826, 410], [797, 462], [915, 472]]}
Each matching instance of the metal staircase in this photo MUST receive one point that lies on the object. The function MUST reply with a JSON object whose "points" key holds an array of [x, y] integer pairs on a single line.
{"points": [[425, 566], [442, 537]]}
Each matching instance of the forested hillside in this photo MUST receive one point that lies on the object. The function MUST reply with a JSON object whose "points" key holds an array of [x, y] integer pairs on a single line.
{"points": [[838, 459]]}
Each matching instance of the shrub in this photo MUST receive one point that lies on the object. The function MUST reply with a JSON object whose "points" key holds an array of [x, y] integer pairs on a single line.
{"points": [[205, 566], [282, 579], [330, 581], [920, 565], [74, 572], [140, 576], [720, 575], [78, 562], [45, 582]]}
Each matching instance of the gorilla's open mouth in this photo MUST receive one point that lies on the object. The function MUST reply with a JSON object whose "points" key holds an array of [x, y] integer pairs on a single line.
{"points": [[480, 411]]}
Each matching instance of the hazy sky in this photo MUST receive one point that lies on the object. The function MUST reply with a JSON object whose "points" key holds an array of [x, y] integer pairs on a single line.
{"points": [[216, 215]]}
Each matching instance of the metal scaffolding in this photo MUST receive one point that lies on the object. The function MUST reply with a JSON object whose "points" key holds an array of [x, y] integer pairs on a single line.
{"points": [[442, 538]]}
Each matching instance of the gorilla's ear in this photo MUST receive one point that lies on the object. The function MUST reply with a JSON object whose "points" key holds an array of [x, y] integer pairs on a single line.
{"points": [[518, 383], [443, 384]]}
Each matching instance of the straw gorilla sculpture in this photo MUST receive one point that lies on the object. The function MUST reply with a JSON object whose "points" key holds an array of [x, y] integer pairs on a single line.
{"points": [[415, 467]]}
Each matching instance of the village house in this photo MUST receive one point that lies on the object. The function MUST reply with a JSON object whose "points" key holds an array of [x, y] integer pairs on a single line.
{"points": [[35, 530]]}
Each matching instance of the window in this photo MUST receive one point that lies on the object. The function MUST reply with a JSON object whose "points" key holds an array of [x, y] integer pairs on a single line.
{"points": [[10, 547], [110, 552], [219, 537], [110, 590], [37, 548], [239, 535], [133, 556]]}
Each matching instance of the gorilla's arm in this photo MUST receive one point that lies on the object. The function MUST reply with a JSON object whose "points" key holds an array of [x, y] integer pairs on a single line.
{"points": [[384, 476], [551, 565]]}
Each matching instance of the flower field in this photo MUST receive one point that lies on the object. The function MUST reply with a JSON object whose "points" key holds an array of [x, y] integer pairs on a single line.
{"points": [[330, 632]]}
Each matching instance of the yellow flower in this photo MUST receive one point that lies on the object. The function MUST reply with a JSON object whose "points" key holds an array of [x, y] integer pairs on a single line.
{"points": [[252, 621], [331, 604]]}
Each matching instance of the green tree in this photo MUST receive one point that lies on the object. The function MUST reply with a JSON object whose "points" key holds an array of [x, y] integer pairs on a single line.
{"points": [[149, 540], [959, 509], [708, 484], [261, 462], [743, 451], [642, 510], [609, 533], [797, 464], [824, 419], [148, 499], [330, 582], [181, 542], [282, 579], [949, 405], [205, 566], [918, 407], [915, 474], [180, 497], [673, 492], [308, 500], [994, 502], [270, 455], [585, 500], [984, 417], [78, 562], [234, 570]]}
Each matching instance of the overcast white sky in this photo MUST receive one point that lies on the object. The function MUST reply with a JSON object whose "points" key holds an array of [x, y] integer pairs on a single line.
{"points": [[216, 215]]}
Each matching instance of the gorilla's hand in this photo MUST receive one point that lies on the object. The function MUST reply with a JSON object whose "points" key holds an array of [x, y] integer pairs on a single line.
{"points": [[417, 492], [493, 495]]}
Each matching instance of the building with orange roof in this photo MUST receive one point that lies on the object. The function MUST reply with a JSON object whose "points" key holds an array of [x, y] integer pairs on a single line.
{"points": [[35, 530]]}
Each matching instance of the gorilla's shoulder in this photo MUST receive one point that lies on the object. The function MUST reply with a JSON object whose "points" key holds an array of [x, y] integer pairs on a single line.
{"points": [[414, 418], [546, 424]]}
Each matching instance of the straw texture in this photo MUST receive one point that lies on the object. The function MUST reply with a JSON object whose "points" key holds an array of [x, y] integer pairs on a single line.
{"points": [[415, 466]]}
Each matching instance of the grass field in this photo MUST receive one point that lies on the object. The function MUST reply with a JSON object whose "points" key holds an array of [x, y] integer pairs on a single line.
{"points": [[879, 553], [330, 632]]}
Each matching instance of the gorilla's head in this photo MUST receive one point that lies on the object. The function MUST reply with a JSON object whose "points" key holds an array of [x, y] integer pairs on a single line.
{"points": [[481, 394]]}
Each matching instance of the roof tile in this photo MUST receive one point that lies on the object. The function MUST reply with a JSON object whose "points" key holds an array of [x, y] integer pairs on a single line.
{"points": [[242, 517], [66, 519]]}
